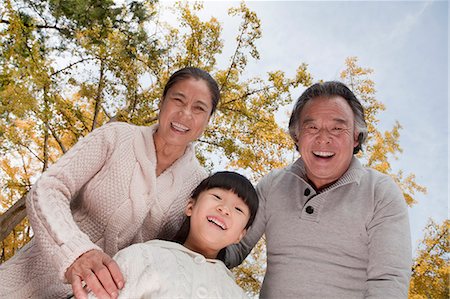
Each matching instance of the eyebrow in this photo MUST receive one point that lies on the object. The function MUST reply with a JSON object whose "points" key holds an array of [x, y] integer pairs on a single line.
{"points": [[341, 120], [338, 120], [203, 103], [307, 120], [178, 93]]}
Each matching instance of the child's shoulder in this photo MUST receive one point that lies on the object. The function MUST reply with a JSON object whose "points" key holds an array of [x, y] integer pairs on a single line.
{"points": [[157, 243], [155, 254]]}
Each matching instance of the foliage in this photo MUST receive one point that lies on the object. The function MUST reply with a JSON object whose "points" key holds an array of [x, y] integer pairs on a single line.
{"points": [[380, 146], [250, 274], [67, 67], [44, 46], [431, 270]]}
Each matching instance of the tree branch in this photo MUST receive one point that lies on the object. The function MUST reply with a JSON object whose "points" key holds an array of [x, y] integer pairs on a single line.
{"points": [[58, 140], [40, 26], [233, 62], [98, 97], [105, 112], [31, 151], [70, 66], [441, 235], [46, 119]]}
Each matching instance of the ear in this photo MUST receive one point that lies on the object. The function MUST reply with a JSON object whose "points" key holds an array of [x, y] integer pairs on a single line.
{"points": [[211, 116], [160, 103], [241, 235], [356, 139], [189, 207]]}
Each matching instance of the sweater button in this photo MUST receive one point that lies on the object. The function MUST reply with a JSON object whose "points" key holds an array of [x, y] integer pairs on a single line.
{"points": [[307, 192], [309, 210], [199, 259], [202, 292]]}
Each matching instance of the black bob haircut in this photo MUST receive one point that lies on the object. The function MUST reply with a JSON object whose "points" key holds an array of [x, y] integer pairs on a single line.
{"points": [[227, 180]]}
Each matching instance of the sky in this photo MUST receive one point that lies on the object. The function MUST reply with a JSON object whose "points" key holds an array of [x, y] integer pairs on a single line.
{"points": [[405, 43]]}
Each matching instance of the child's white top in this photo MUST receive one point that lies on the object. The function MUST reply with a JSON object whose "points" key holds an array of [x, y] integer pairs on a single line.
{"points": [[162, 269]]}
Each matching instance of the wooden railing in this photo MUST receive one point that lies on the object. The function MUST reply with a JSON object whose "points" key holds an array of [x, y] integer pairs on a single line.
{"points": [[12, 217]]}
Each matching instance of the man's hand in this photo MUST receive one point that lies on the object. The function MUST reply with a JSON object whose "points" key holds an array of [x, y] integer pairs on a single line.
{"points": [[100, 273]]}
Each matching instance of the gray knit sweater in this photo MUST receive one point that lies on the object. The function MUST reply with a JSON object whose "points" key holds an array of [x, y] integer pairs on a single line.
{"points": [[352, 240], [102, 194]]}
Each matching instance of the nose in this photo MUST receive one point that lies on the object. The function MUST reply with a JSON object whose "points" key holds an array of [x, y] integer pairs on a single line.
{"points": [[323, 136], [186, 111], [223, 209]]}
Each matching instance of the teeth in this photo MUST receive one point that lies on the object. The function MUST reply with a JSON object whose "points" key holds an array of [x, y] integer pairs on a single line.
{"points": [[323, 154], [179, 127], [217, 222]]}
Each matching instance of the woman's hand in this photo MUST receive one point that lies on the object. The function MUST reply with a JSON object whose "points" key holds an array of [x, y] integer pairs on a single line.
{"points": [[100, 273]]}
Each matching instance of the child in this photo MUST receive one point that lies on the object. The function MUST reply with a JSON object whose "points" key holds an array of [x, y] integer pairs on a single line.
{"points": [[221, 209]]}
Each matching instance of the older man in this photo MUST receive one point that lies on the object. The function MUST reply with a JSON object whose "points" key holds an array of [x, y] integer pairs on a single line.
{"points": [[334, 229]]}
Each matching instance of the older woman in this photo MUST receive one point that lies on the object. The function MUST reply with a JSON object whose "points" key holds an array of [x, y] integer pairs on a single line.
{"points": [[120, 185]]}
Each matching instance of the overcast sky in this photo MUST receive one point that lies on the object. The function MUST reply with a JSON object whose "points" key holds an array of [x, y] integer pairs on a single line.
{"points": [[405, 43]]}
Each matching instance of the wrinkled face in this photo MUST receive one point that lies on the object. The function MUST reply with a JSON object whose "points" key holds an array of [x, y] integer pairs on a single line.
{"points": [[185, 112], [218, 219], [326, 139]]}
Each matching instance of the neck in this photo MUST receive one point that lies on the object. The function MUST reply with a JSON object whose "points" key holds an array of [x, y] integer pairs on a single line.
{"points": [[208, 253], [166, 154], [320, 187]]}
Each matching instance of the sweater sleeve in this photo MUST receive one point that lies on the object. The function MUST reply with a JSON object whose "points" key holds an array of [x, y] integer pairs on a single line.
{"points": [[390, 257], [48, 202], [236, 253]]}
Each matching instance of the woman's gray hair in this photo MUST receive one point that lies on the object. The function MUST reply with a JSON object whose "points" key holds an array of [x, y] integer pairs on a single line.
{"points": [[327, 90]]}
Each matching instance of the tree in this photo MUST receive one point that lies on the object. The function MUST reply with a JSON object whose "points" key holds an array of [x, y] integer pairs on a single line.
{"points": [[250, 274], [115, 70], [380, 146], [38, 122], [116, 60], [431, 270]]}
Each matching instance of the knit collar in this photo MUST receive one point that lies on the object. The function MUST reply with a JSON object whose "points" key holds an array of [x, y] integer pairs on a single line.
{"points": [[177, 246], [195, 255], [353, 173], [148, 132], [144, 147]]}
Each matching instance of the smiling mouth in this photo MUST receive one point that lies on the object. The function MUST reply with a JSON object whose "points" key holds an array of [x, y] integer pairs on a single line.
{"points": [[179, 127], [325, 155], [217, 222]]}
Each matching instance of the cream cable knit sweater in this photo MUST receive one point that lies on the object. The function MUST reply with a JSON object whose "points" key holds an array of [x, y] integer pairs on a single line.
{"points": [[102, 194]]}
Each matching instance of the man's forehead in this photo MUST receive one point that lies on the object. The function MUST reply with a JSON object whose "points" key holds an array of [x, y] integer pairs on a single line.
{"points": [[327, 103], [337, 120]]}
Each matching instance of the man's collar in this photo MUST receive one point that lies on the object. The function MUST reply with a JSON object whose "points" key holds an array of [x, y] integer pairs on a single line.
{"points": [[353, 173]]}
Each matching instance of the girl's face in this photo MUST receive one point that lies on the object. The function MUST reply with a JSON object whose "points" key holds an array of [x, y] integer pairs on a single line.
{"points": [[185, 112], [218, 219]]}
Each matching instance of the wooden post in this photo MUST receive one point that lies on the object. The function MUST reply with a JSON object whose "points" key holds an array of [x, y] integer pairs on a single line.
{"points": [[12, 217]]}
